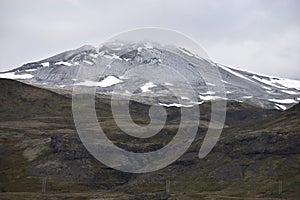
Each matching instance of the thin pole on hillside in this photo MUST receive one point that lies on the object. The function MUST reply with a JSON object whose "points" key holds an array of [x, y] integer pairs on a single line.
{"points": [[168, 183], [44, 184], [280, 187]]}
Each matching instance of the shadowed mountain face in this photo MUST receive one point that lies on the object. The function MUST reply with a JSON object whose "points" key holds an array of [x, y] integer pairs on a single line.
{"points": [[61, 72], [257, 150]]}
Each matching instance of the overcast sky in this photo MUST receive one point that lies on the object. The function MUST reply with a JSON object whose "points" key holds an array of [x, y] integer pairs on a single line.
{"points": [[262, 36]]}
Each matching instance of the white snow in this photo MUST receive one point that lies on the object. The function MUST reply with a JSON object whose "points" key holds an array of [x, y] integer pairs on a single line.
{"points": [[101, 53], [94, 55], [210, 84], [63, 63], [175, 105], [209, 98], [267, 82], [98, 49], [148, 45], [127, 59], [139, 49], [186, 52], [88, 62], [168, 84], [108, 81], [30, 70], [116, 48], [88, 83], [198, 103], [281, 107], [147, 86], [247, 97], [208, 93], [283, 101], [288, 83], [112, 56], [12, 75], [234, 73], [280, 83], [267, 88], [225, 82], [181, 105], [45, 64], [290, 92], [184, 98], [274, 81]]}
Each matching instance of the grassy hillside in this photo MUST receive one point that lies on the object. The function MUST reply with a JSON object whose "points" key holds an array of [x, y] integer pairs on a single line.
{"points": [[258, 150]]}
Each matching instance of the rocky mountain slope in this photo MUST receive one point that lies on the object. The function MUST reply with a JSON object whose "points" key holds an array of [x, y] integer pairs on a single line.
{"points": [[258, 150], [61, 71]]}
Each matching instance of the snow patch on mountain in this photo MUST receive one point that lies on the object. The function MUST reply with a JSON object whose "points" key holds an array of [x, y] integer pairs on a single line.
{"points": [[12, 75], [184, 98], [290, 92], [88, 62], [283, 101], [210, 98], [247, 97], [208, 93], [112, 56], [280, 107], [30, 70], [210, 84], [267, 82], [233, 72], [288, 83], [175, 105], [147, 86], [108, 81], [63, 63], [148, 45], [45, 64], [168, 84]]}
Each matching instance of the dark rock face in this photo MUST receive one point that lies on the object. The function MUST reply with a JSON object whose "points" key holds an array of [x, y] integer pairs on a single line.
{"points": [[69, 161], [227, 172], [263, 143], [71, 147], [253, 169], [56, 144]]}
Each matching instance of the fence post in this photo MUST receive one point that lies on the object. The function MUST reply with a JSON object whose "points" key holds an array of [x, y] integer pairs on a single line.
{"points": [[44, 184], [168, 183], [280, 187]]}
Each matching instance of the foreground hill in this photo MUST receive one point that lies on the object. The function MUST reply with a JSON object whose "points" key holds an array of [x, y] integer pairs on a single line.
{"points": [[258, 150]]}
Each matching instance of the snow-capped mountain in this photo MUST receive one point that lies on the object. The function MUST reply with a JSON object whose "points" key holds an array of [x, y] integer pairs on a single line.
{"points": [[60, 71]]}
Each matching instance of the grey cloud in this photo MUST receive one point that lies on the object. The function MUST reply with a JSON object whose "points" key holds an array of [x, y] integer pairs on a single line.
{"points": [[260, 36]]}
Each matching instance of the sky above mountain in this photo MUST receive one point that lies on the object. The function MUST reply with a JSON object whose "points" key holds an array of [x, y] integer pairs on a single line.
{"points": [[260, 36]]}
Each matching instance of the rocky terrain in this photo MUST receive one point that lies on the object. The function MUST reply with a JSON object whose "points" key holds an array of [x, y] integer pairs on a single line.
{"points": [[120, 59], [258, 151]]}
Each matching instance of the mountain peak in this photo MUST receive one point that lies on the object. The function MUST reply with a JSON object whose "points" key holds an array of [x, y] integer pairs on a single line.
{"points": [[60, 71]]}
